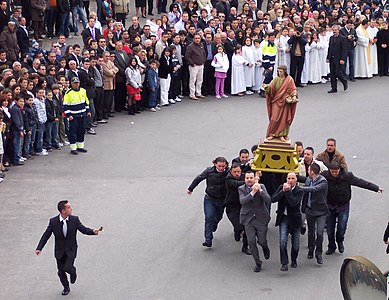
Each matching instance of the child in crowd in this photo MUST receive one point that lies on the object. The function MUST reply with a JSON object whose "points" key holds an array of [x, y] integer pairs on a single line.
{"points": [[314, 72], [258, 74], [221, 64], [134, 84], [51, 140], [153, 84], [17, 130], [40, 107], [30, 126], [238, 83], [175, 83], [249, 69]]}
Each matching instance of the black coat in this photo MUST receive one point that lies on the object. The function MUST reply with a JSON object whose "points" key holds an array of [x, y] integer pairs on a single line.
{"points": [[289, 201], [23, 41], [301, 40], [213, 49], [164, 69], [51, 110], [17, 124], [232, 197], [350, 43], [86, 34], [216, 183], [64, 245], [337, 49], [339, 188], [30, 117], [87, 83]]}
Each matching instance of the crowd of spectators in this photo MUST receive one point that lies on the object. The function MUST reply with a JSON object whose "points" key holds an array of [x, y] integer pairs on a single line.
{"points": [[195, 48]]}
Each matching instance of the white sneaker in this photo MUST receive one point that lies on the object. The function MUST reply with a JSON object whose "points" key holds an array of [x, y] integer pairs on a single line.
{"points": [[22, 158], [60, 144], [249, 93], [66, 143], [180, 96], [44, 150], [224, 96], [323, 80], [152, 109], [172, 101], [218, 97], [177, 99], [43, 153], [158, 108]]}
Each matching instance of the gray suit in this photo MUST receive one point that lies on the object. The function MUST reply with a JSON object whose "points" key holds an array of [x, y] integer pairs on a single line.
{"points": [[255, 217], [120, 88], [316, 211]]}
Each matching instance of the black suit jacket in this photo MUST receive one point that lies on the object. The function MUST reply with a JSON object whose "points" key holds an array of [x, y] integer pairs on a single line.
{"points": [[87, 83], [23, 41], [337, 49], [289, 204], [64, 245], [229, 47], [350, 43], [164, 69], [122, 66], [86, 34]]}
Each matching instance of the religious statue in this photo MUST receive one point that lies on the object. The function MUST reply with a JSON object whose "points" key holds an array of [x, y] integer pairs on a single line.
{"points": [[281, 101]]}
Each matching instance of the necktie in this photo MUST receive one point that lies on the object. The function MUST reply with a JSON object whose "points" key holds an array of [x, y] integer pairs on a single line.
{"points": [[93, 33], [64, 227]]}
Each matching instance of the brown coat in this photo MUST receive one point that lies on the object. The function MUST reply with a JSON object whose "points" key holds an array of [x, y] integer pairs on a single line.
{"points": [[9, 43], [37, 10], [109, 71], [338, 156]]}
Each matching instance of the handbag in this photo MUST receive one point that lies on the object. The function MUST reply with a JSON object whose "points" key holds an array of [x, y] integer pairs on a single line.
{"points": [[137, 96]]}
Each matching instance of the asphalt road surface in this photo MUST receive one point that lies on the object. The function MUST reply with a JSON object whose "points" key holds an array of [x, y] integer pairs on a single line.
{"points": [[133, 182]]}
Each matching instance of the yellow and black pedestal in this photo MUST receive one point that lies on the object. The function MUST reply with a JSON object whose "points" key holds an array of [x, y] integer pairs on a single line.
{"points": [[276, 156]]}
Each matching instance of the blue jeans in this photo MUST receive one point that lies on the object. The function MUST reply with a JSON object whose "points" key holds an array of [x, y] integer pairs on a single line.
{"points": [[29, 140], [39, 137], [213, 211], [284, 230], [81, 12], [51, 135], [17, 143], [316, 226], [64, 24], [342, 218], [350, 59], [153, 98]]}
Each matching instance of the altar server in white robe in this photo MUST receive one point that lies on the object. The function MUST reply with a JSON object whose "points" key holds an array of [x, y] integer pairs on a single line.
{"points": [[238, 82], [362, 58], [249, 70]]}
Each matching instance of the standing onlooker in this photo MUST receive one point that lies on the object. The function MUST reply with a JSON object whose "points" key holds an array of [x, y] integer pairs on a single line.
{"points": [[350, 34], [87, 82], [22, 36], [289, 197], [142, 5], [134, 83], [109, 71], [51, 12], [37, 12], [164, 73], [9, 42], [221, 64], [238, 84], [63, 7], [121, 62], [336, 56], [153, 84], [208, 86], [249, 69], [40, 107], [52, 112], [215, 194], [30, 125], [195, 57], [4, 14], [297, 44], [76, 7], [122, 8], [17, 129], [383, 50]]}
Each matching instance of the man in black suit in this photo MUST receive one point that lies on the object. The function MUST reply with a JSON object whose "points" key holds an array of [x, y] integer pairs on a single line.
{"points": [[208, 87], [64, 227], [229, 47], [22, 36], [121, 62], [90, 32], [336, 56], [297, 44], [350, 34], [289, 197], [255, 216]]}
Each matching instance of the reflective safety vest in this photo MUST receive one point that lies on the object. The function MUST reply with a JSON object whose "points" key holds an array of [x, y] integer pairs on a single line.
{"points": [[269, 55], [76, 103]]}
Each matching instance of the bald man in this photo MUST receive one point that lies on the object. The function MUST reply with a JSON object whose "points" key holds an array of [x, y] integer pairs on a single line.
{"points": [[289, 197]]}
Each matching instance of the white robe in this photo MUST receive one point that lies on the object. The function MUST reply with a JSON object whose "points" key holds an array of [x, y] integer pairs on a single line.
{"points": [[283, 57], [373, 67], [258, 74], [361, 64], [324, 66], [238, 83], [314, 72], [249, 72], [304, 73]]}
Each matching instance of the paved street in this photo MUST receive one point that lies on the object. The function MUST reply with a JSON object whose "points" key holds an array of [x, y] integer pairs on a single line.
{"points": [[133, 181]]}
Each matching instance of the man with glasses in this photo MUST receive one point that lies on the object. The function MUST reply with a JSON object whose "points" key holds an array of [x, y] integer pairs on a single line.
{"points": [[52, 59], [102, 46]]}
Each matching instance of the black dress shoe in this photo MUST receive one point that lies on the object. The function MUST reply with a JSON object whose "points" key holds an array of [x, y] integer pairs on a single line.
{"points": [[340, 247], [345, 86], [284, 268], [352, 79], [293, 264], [73, 277], [299, 85], [303, 229], [332, 91], [319, 259], [207, 244], [237, 236], [74, 152], [246, 250], [82, 150], [65, 292], [330, 251], [310, 255], [150, 14], [266, 253], [257, 268]]}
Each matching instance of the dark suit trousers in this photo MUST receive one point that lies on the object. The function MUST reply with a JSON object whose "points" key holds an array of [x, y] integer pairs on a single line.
{"points": [[108, 99], [296, 68], [256, 232], [51, 20], [120, 96], [336, 71], [208, 87], [150, 6], [185, 80], [65, 265], [99, 103], [383, 59], [233, 216]]}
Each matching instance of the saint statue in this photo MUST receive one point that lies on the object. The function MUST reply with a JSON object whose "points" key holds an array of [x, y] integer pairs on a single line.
{"points": [[281, 102]]}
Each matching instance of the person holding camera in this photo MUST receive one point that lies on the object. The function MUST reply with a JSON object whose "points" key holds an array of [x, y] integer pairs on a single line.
{"points": [[350, 34], [297, 44]]}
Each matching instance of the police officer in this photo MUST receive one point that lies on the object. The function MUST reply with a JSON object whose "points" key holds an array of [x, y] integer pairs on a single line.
{"points": [[76, 108]]}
